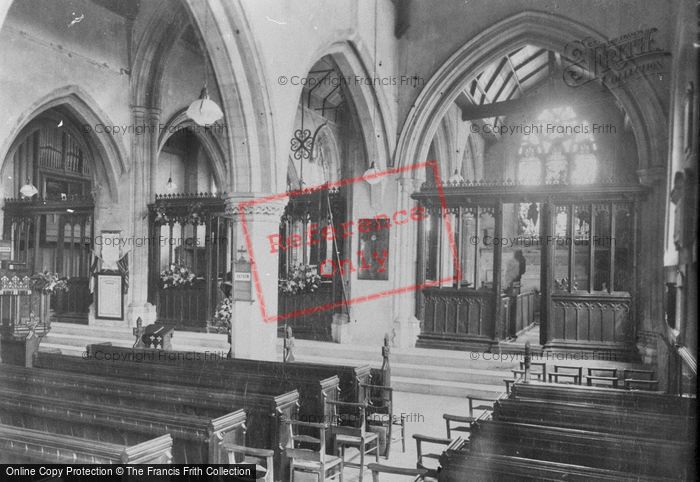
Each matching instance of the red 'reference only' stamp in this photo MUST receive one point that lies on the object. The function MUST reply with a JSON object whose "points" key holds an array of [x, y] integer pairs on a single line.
{"points": [[366, 257]]}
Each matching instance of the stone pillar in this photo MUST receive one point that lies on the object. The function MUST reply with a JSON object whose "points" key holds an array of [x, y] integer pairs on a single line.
{"points": [[144, 152], [406, 326], [253, 336], [650, 274]]}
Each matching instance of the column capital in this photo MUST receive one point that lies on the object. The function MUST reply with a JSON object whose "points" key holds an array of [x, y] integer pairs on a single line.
{"points": [[256, 206], [410, 185]]}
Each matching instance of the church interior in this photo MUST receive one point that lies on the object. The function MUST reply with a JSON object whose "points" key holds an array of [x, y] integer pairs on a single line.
{"points": [[382, 240]]}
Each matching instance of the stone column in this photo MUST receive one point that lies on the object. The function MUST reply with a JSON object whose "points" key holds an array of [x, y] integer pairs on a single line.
{"points": [[650, 273], [144, 152], [252, 335], [406, 326]]}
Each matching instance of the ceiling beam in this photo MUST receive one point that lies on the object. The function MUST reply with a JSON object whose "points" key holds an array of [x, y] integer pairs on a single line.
{"points": [[496, 109], [515, 76], [522, 104]]}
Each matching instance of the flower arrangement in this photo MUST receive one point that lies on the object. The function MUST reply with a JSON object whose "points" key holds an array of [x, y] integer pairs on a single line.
{"points": [[177, 276], [222, 317], [564, 284], [302, 278], [48, 283]]}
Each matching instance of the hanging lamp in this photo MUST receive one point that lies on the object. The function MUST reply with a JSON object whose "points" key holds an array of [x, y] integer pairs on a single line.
{"points": [[372, 175], [204, 111], [170, 186]]}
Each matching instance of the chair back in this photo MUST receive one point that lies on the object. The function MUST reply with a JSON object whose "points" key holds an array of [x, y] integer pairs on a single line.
{"points": [[380, 401], [348, 418], [305, 446]]}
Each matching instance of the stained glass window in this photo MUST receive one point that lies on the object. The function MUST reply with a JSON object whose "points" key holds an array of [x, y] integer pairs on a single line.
{"points": [[530, 166], [564, 144]]}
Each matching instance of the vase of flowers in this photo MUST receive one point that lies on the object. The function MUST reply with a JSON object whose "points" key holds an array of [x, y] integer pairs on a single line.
{"points": [[302, 278], [221, 323], [177, 276], [46, 284]]}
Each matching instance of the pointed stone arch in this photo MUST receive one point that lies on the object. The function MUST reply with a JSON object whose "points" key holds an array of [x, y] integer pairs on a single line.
{"points": [[237, 72], [370, 104], [107, 150], [209, 141], [553, 32]]}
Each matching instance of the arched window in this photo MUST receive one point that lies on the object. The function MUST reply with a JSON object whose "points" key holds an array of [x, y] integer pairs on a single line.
{"points": [[562, 150]]}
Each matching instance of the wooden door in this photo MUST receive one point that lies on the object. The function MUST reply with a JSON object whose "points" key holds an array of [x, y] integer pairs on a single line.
{"points": [[72, 260]]}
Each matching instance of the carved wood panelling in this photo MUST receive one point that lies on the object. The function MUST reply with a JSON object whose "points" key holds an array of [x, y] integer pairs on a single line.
{"points": [[458, 312], [592, 319]]}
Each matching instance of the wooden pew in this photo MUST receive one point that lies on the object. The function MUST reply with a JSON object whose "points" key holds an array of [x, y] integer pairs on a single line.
{"points": [[133, 394], [596, 418], [456, 463], [564, 432], [316, 383], [136, 393], [195, 439], [351, 377], [26, 446], [262, 421], [639, 401], [265, 411], [244, 391], [631, 454]]}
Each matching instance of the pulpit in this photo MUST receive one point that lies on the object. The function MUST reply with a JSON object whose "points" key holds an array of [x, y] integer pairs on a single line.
{"points": [[21, 327]]}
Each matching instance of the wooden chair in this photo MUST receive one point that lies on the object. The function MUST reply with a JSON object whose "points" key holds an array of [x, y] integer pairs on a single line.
{"points": [[556, 378], [307, 460], [509, 383], [468, 420], [542, 371], [380, 412], [636, 378], [602, 376], [520, 374], [566, 371], [415, 474], [261, 458], [421, 456], [353, 433]]}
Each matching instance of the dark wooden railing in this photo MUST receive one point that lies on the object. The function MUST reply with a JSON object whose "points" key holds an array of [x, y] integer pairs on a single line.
{"points": [[310, 324], [185, 308]]}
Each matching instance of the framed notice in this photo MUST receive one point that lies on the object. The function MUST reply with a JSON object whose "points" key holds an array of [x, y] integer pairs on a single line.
{"points": [[109, 302], [373, 255]]}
